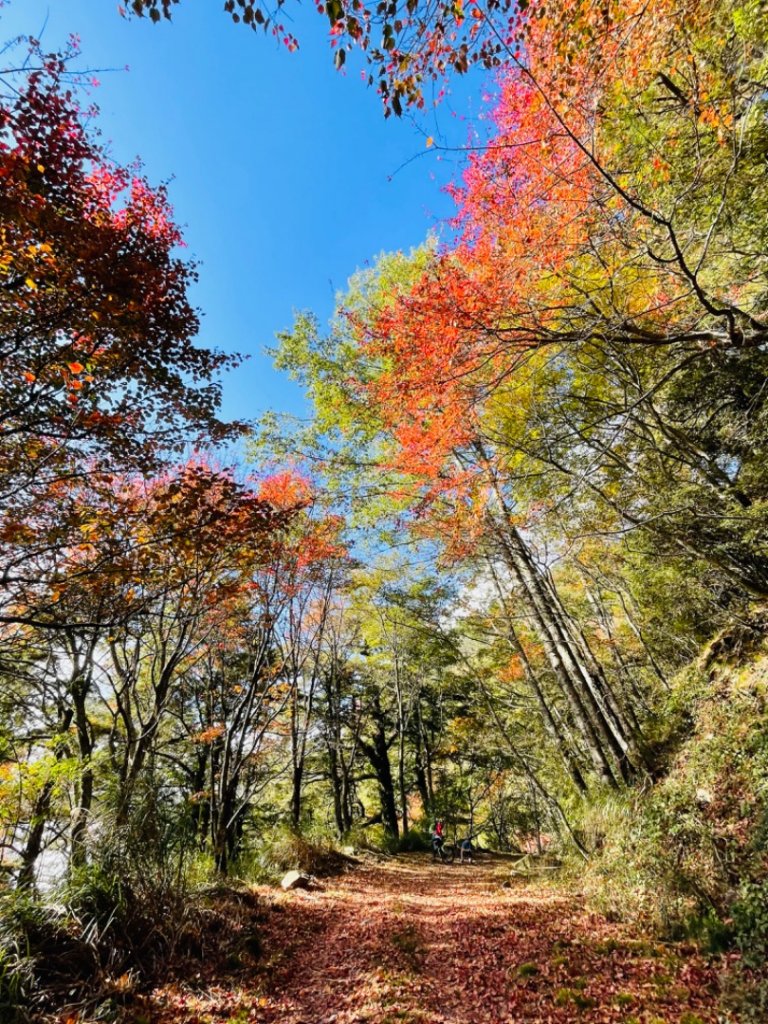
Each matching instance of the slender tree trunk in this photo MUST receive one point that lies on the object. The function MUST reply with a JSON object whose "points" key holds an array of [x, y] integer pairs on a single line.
{"points": [[401, 730], [533, 778], [228, 831], [300, 725], [33, 847], [338, 766], [202, 805], [611, 745], [79, 825], [630, 690], [346, 800], [420, 769], [552, 726], [560, 654], [640, 636], [141, 742], [41, 811], [297, 783], [336, 789]]}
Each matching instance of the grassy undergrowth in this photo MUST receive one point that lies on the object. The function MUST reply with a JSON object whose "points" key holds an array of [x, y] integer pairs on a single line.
{"points": [[111, 930], [686, 856]]}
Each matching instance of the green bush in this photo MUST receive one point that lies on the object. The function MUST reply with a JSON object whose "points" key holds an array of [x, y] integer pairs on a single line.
{"points": [[750, 921], [286, 849], [685, 856], [40, 946], [132, 909], [414, 841], [121, 920], [17, 979]]}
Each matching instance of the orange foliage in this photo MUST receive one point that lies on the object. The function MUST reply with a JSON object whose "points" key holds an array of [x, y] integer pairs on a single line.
{"points": [[513, 671], [534, 207]]}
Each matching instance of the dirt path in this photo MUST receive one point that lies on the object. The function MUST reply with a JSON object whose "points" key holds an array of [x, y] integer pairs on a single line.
{"points": [[409, 941]]}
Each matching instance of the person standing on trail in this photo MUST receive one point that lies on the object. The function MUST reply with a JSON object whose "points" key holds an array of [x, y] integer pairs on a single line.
{"points": [[437, 838]]}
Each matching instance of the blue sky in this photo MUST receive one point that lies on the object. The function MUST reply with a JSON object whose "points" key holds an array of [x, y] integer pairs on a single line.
{"points": [[286, 175]]}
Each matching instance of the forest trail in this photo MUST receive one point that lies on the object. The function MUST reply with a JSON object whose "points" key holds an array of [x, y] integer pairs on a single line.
{"points": [[409, 942]]}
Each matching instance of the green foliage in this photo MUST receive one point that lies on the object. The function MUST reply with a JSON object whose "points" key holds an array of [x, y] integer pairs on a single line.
{"points": [[687, 858], [131, 906], [750, 921], [573, 997], [282, 849], [744, 999], [344, 434], [124, 918], [415, 840], [19, 914], [43, 947]]}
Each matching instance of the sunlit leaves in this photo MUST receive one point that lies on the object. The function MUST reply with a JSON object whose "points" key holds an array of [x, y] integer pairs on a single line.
{"points": [[406, 44]]}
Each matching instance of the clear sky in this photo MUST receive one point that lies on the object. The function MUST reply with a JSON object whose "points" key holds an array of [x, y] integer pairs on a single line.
{"points": [[286, 176]]}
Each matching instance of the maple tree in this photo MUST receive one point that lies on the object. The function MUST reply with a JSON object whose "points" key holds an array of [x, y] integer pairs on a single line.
{"points": [[114, 579], [97, 349], [555, 369], [577, 238], [454, 484]]}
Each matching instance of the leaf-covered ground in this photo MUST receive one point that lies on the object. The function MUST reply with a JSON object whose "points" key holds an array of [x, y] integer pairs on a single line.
{"points": [[409, 941]]}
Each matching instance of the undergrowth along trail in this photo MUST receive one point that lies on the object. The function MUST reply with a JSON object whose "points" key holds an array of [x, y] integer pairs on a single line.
{"points": [[409, 941]]}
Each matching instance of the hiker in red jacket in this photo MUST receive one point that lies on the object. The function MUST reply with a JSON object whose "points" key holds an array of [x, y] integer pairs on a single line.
{"points": [[437, 838]]}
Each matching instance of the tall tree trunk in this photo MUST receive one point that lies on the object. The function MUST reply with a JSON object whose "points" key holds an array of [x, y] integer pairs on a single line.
{"points": [[346, 799], [228, 831], [420, 772], [377, 752], [297, 784], [301, 720], [630, 690], [611, 747], [610, 744], [139, 743], [401, 731], [201, 813], [339, 767], [336, 789], [552, 726]]}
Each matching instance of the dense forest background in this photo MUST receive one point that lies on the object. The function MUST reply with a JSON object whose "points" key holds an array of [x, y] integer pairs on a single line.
{"points": [[512, 572]]}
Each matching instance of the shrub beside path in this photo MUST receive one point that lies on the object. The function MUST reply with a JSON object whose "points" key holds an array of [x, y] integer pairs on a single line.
{"points": [[409, 942]]}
